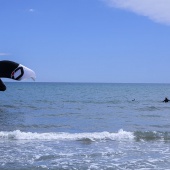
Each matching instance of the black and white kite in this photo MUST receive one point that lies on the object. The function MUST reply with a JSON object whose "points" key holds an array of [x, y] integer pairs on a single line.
{"points": [[13, 70]]}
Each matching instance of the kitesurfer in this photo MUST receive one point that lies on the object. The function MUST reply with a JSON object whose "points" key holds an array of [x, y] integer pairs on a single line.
{"points": [[2, 86], [166, 100]]}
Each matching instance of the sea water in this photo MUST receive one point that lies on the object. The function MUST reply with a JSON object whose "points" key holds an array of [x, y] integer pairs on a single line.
{"points": [[84, 126]]}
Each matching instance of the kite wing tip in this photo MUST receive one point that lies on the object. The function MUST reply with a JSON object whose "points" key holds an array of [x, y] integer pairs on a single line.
{"points": [[33, 78]]}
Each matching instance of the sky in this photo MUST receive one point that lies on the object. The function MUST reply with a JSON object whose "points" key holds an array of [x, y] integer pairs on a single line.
{"points": [[109, 41]]}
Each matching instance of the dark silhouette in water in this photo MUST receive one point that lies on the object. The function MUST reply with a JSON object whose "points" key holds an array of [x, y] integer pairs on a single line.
{"points": [[133, 100], [2, 86], [166, 100]]}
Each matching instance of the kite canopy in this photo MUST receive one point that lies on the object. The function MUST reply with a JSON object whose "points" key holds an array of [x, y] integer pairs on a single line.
{"points": [[13, 70]]}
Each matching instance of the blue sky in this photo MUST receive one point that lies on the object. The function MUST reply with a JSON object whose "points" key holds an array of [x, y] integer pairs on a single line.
{"points": [[113, 41]]}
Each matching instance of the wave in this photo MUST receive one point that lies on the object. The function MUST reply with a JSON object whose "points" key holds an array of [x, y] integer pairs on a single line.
{"points": [[152, 136], [19, 135], [121, 135]]}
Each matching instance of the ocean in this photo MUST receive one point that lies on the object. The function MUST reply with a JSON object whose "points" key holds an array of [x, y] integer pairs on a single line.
{"points": [[84, 126]]}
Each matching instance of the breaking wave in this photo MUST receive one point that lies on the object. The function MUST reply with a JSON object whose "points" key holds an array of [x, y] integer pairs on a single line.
{"points": [[121, 135], [19, 135]]}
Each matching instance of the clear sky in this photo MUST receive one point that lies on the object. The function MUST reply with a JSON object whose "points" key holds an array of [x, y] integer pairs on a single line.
{"points": [[116, 41]]}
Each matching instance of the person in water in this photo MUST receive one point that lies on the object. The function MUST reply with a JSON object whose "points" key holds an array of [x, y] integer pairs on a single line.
{"points": [[2, 86], [166, 100]]}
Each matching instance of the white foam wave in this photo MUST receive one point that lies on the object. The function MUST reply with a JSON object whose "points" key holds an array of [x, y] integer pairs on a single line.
{"points": [[19, 135]]}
